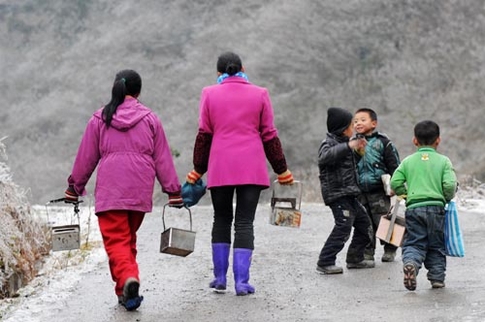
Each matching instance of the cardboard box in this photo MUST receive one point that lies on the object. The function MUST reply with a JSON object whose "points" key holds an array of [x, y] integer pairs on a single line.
{"points": [[390, 231]]}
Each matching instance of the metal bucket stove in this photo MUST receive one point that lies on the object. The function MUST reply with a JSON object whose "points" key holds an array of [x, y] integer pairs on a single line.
{"points": [[176, 241], [66, 237], [286, 204]]}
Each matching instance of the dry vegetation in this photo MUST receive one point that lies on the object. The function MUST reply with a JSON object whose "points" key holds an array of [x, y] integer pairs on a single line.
{"points": [[23, 240]]}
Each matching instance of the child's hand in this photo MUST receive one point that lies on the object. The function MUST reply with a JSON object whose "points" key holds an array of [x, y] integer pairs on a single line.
{"points": [[358, 144]]}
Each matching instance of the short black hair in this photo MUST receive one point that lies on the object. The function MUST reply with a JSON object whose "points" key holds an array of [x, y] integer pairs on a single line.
{"points": [[229, 63], [426, 132], [371, 112]]}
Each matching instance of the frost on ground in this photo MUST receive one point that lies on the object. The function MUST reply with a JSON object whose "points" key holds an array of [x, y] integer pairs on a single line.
{"points": [[471, 194], [23, 240], [27, 265], [61, 270]]}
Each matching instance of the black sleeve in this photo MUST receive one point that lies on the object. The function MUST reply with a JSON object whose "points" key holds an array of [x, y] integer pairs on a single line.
{"points": [[391, 156]]}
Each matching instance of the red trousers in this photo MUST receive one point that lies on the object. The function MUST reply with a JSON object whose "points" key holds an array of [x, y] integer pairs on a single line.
{"points": [[118, 229]]}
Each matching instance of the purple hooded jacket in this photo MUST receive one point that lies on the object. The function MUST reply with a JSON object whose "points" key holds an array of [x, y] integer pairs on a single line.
{"points": [[129, 155]]}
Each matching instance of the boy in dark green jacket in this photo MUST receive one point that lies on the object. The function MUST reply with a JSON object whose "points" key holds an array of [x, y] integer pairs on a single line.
{"points": [[429, 182], [380, 158]]}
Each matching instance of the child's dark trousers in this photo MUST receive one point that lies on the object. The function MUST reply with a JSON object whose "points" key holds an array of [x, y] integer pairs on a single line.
{"points": [[347, 213]]}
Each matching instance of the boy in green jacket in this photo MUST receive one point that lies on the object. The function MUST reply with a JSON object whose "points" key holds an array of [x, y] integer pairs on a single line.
{"points": [[428, 180], [380, 158]]}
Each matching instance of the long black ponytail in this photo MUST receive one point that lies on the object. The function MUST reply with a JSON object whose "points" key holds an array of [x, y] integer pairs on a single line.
{"points": [[127, 82]]}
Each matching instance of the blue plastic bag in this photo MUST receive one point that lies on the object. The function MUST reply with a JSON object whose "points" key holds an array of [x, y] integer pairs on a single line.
{"points": [[191, 193], [454, 245]]}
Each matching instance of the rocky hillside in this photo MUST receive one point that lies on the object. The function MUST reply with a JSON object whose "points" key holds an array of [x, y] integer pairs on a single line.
{"points": [[409, 60]]}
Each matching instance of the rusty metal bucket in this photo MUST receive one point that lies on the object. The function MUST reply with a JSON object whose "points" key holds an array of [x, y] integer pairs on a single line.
{"points": [[176, 241], [285, 205]]}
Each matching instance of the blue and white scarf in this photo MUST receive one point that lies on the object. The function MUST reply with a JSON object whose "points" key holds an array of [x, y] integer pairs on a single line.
{"points": [[226, 75]]}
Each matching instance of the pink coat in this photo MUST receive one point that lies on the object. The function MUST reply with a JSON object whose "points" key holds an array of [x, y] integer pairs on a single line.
{"points": [[129, 155], [239, 116]]}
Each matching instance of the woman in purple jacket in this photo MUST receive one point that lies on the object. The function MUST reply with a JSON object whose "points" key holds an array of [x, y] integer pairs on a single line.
{"points": [[236, 135], [126, 142]]}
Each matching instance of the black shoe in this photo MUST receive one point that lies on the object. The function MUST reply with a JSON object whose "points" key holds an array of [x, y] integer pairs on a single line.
{"points": [[437, 284], [131, 299], [330, 269], [362, 264], [388, 256], [368, 257]]}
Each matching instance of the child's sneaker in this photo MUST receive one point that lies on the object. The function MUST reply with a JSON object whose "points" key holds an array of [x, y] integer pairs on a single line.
{"points": [[437, 284], [368, 257], [330, 269], [409, 276], [131, 299], [388, 256], [362, 264]]}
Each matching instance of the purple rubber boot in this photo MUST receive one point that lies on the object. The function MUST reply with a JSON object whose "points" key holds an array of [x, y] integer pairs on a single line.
{"points": [[240, 265], [220, 258]]}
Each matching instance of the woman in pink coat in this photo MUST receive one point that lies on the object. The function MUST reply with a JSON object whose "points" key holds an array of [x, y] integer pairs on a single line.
{"points": [[126, 142], [236, 135]]}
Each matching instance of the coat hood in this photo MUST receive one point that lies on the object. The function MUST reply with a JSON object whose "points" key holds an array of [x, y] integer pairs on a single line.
{"points": [[127, 115]]}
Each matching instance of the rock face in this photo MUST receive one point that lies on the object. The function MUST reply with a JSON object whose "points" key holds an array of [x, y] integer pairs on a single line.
{"points": [[23, 239], [409, 61]]}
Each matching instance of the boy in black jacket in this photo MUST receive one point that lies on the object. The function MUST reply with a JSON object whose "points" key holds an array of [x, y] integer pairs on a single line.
{"points": [[338, 180]]}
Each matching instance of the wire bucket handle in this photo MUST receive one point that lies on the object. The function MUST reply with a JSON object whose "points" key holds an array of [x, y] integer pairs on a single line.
{"points": [[295, 200], [65, 200], [163, 216]]}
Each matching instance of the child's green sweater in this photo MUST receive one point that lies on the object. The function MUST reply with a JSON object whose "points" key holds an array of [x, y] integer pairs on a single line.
{"points": [[426, 178]]}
